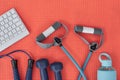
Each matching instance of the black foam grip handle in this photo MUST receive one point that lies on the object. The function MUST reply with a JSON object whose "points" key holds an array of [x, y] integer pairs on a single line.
{"points": [[29, 69], [58, 76], [78, 28], [98, 31], [15, 70], [56, 26], [81, 29], [44, 74]]}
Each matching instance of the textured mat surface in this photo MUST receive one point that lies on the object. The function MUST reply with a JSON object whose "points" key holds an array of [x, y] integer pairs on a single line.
{"points": [[40, 14]]}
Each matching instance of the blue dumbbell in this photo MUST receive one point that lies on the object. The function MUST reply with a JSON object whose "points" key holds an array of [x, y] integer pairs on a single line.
{"points": [[42, 64], [56, 67]]}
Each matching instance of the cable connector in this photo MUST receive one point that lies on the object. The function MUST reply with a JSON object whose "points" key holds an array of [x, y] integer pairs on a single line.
{"points": [[93, 46], [58, 41]]}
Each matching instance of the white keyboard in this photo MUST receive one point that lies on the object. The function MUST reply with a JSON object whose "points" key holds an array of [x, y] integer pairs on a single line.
{"points": [[12, 29]]}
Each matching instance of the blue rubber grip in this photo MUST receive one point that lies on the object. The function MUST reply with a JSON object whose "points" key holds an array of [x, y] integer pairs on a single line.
{"points": [[15, 70], [58, 76], [29, 74], [29, 70], [44, 74], [16, 74]]}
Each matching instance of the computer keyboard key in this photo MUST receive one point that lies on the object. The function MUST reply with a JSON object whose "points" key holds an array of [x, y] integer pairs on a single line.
{"points": [[1, 39], [4, 16], [15, 20], [15, 34], [6, 20], [8, 14], [1, 33], [6, 25], [2, 27], [12, 11], [13, 31], [10, 23], [13, 26], [19, 32], [1, 18], [2, 23], [11, 37], [10, 33], [6, 36], [10, 18], [18, 23], [23, 29], [17, 28], [9, 28], [14, 16], [7, 39], [5, 31], [3, 42], [21, 26]]}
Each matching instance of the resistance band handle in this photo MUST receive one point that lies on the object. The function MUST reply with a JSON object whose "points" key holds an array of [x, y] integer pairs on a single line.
{"points": [[88, 30], [49, 31], [29, 69], [15, 70]]}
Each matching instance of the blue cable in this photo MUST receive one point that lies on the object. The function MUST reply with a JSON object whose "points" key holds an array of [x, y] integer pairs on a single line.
{"points": [[74, 62], [7, 56], [19, 51], [85, 64]]}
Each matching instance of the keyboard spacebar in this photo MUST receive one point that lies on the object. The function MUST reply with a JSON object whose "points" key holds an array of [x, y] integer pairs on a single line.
{"points": [[14, 40]]}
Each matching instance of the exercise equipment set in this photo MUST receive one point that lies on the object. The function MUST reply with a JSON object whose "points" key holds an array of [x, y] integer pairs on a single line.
{"points": [[15, 67], [93, 46], [56, 67], [106, 71], [12, 29]]}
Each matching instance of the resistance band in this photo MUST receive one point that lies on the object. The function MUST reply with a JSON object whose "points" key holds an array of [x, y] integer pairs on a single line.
{"points": [[15, 67], [92, 46], [57, 42]]}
